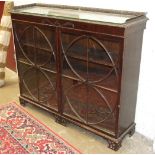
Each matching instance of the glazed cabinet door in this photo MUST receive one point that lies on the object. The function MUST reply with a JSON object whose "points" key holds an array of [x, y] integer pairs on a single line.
{"points": [[36, 62], [90, 73]]}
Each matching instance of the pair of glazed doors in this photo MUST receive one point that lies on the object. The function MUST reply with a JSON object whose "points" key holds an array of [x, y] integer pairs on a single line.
{"points": [[70, 71]]}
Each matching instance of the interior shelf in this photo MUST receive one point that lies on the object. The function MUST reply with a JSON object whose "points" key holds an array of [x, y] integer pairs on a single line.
{"points": [[37, 47], [51, 69], [90, 60], [109, 84]]}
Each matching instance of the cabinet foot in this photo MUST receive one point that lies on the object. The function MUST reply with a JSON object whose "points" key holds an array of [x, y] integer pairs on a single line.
{"points": [[132, 131], [60, 120], [22, 102], [113, 145]]}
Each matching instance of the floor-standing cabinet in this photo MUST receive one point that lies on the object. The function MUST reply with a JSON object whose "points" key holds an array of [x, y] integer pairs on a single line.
{"points": [[80, 64]]}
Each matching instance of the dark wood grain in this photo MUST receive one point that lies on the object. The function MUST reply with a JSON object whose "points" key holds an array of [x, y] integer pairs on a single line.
{"points": [[82, 72]]}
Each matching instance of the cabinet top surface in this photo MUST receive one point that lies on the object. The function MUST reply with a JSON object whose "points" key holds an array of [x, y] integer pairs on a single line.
{"points": [[82, 14]]}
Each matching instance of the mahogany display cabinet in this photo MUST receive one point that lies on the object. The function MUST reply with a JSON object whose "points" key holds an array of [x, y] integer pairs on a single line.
{"points": [[81, 64]]}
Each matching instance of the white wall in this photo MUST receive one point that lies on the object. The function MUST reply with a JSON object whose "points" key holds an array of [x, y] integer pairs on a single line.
{"points": [[145, 113]]}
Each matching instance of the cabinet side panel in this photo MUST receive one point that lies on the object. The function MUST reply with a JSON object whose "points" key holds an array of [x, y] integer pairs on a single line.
{"points": [[130, 78]]}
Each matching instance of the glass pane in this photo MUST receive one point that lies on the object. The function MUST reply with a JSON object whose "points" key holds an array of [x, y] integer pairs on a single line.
{"points": [[80, 14], [88, 58], [74, 99], [38, 85], [22, 67], [29, 83], [47, 89], [23, 37], [103, 76], [102, 52], [74, 45], [45, 51], [77, 69], [103, 63], [89, 104], [74, 56], [90, 79], [101, 108], [35, 45]]}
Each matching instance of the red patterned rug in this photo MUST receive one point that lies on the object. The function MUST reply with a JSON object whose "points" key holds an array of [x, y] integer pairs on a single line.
{"points": [[21, 133]]}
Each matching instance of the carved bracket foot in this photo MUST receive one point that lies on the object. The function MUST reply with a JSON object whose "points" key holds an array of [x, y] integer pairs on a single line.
{"points": [[113, 145], [60, 120], [132, 131], [22, 102]]}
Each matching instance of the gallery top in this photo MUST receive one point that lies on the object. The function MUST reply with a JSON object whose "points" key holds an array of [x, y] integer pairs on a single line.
{"points": [[82, 14]]}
